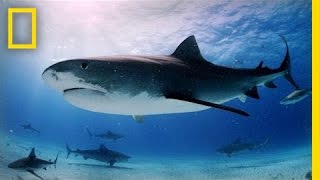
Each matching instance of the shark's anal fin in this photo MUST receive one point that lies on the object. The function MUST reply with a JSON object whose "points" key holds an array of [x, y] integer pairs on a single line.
{"points": [[205, 103], [270, 84], [33, 173], [253, 92]]}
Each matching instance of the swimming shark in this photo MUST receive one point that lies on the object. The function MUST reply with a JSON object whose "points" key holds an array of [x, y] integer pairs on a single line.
{"points": [[32, 163], [146, 85], [296, 96], [239, 146], [109, 135], [101, 154], [29, 127]]}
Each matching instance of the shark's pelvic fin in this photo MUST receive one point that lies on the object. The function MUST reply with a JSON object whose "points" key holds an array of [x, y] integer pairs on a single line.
{"points": [[253, 92], [188, 50], [138, 118], [33, 173], [270, 84], [242, 98], [205, 103]]}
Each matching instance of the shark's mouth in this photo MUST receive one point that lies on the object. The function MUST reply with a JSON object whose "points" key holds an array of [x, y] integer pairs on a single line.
{"points": [[83, 89]]}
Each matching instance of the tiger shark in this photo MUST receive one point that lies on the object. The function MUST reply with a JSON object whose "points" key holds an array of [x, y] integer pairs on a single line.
{"points": [[147, 85]]}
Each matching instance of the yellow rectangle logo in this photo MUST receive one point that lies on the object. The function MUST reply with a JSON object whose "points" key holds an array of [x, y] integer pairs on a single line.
{"points": [[33, 44]]}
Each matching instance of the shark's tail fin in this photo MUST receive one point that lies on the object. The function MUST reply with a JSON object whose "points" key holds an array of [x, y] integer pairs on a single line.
{"points": [[55, 161], [89, 132], [69, 151], [286, 66]]}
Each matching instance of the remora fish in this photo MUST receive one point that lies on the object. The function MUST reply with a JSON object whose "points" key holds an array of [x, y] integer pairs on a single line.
{"points": [[144, 85], [102, 154], [238, 146], [109, 135], [32, 163], [296, 96]]}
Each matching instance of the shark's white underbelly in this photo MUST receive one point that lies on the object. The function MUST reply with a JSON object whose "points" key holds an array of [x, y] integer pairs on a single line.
{"points": [[124, 104]]}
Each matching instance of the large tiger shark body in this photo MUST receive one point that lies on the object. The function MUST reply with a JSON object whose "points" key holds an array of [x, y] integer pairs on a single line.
{"points": [[146, 85]]}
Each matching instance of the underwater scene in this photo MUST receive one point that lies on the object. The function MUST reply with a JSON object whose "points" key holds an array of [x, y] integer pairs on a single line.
{"points": [[157, 90]]}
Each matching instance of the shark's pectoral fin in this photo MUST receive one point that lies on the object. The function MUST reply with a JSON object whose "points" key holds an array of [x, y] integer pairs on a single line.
{"points": [[111, 162], [253, 93], [33, 173], [205, 103], [270, 84], [138, 118]]}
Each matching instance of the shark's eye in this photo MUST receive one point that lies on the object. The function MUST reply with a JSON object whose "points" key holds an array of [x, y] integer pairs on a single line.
{"points": [[84, 65]]}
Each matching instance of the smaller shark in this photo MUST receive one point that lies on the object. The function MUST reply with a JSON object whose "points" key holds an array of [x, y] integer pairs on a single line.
{"points": [[32, 163], [296, 96], [29, 127], [109, 135], [238, 146], [101, 154]]}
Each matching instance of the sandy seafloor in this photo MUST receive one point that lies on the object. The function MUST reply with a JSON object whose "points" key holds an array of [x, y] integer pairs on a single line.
{"points": [[256, 165]]}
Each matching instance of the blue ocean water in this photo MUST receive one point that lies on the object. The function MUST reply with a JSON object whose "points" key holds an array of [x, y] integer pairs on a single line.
{"points": [[229, 33]]}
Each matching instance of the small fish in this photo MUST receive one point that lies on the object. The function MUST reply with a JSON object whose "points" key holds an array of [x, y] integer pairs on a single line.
{"points": [[109, 135], [239, 146], [29, 127], [296, 96]]}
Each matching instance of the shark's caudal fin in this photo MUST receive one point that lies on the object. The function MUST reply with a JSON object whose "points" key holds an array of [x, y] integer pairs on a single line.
{"points": [[286, 65], [69, 151]]}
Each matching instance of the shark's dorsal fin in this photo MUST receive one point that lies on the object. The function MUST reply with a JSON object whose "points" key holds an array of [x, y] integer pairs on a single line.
{"points": [[237, 141], [102, 147], [260, 65], [188, 50], [32, 154]]}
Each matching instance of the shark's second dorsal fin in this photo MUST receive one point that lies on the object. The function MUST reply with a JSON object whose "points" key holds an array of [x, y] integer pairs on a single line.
{"points": [[188, 50], [32, 154]]}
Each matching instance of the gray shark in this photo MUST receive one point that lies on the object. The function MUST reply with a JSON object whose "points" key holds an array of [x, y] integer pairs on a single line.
{"points": [[296, 96], [32, 163], [238, 146], [102, 154], [29, 127], [145, 85], [109, 135]]}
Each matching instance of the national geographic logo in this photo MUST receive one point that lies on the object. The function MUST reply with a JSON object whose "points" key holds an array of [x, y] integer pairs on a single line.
{"points": [[14, 30]]}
